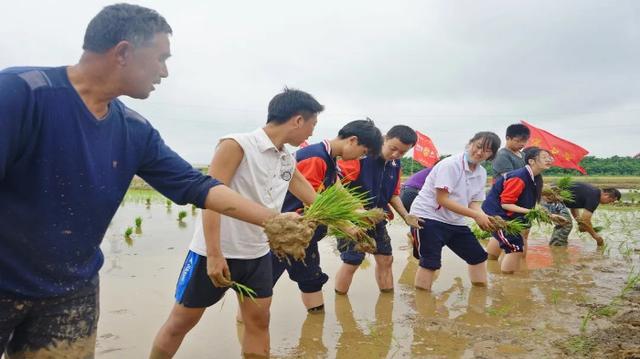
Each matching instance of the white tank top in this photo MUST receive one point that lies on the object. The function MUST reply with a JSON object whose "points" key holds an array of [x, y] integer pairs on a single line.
{"points": [[263, 176]]}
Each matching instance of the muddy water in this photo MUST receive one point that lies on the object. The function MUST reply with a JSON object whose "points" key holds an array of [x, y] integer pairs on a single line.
{"points": [[520, 315]]}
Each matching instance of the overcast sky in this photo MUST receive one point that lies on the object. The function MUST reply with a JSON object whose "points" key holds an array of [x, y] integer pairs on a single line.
{"points": [[446, 68]]}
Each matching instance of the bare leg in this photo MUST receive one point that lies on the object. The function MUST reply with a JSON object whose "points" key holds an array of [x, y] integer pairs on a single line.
{"points": [[313, 300], [493, 249], [181, 320], [424, 278], [344, 276], [256, 326], [478, 274], [384, 273], [511, 262]]}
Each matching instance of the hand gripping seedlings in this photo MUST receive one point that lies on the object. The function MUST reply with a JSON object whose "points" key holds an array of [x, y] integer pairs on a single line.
{"points": [[337, 207], [540, 215], [514, 226]]}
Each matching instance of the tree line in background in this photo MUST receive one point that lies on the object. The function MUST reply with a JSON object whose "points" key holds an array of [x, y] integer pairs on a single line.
{"points": [[611, 166]]}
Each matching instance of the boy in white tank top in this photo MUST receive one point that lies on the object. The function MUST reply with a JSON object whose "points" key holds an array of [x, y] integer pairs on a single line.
{"points": [[258, 166]]}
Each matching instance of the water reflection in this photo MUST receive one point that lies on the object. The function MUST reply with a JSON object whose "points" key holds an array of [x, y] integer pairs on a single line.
{"points": [[372, 341]]}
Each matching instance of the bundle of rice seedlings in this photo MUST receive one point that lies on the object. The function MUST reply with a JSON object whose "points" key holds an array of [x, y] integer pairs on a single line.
{"points": [[560, 192], [564, 182], [478, 232], [538, 215], [336, 207], [514, 226]]}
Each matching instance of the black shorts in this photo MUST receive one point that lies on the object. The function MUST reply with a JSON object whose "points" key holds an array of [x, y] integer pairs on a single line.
{"points": [[429, 240], [56, 327], [509, 243], [307, 273], [196, 290]]}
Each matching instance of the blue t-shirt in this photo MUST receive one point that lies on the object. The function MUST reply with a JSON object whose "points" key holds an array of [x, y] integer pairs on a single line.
{"points": [[63, 174]]}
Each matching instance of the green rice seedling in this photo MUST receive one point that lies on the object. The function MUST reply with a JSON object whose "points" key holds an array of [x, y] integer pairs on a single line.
{"points": [[148, 202], [579, 345], [243, 291], [336, 207], [138, 222], [181, 216], [607, 310], [538, 215], [193, 209], [560, 192], [633, 280], [514, 226], [564, 182], [598, 229], [478, 232], [498, 311], [606, 249], [127, 236], [585, 321], [168, 203], [555, 296]]}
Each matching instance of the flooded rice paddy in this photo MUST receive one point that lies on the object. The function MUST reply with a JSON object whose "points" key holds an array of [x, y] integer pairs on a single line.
{"points": [[566, 302]]}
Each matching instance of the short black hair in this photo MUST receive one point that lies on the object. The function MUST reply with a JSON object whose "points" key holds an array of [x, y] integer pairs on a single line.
{"points": [[489, 140], [403, 133], [613, 193], [518, 130], [123, 22], [292, 102], [368, 135]]}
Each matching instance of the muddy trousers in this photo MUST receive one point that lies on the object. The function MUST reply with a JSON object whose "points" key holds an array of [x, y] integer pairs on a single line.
{"points": [[57, 327], [560, 235]]}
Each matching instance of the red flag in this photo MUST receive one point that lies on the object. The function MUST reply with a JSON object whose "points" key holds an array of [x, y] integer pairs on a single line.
{"points": [[565, 153], [425, 151], [304, 144]]}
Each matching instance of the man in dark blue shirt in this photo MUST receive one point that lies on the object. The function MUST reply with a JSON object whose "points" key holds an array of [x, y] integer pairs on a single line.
{"points": [[68, 151]]}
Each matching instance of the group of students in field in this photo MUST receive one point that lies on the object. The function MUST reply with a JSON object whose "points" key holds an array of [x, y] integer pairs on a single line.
{"points": [[436, 203], [70, 148]]}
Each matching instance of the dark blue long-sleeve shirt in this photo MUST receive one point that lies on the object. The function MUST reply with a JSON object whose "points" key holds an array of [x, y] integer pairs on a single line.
{"points": [[63, 174]]}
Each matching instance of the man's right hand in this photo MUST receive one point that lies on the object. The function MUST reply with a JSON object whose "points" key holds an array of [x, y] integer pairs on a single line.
{"points": [[218, 271]]}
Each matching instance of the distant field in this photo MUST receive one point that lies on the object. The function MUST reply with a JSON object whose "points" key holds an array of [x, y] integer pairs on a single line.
{"points": [[623, 182]]}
